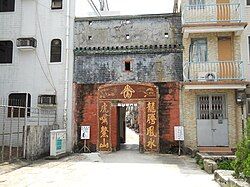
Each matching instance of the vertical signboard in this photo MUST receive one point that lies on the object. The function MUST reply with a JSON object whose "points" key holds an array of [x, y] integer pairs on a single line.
{"points": [[151, 126], [104, 126]]}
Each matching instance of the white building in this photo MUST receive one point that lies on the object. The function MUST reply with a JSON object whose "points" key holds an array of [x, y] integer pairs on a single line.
{"points": [[36, 55]]}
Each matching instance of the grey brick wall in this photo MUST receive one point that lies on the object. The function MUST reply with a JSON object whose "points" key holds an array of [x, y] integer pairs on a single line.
{"points": [[154, 56]]}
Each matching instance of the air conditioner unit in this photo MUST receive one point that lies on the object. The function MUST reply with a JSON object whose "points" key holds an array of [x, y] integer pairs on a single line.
{"points": [[207, 76], [57, 142], [46, 101], [26, 43]]}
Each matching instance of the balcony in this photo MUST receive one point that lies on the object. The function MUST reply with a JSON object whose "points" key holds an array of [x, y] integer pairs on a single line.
{"points": [[213, 71], [207, 18], [211, 13]]}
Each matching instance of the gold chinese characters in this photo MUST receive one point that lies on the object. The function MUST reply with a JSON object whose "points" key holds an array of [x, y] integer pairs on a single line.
{"points": [[127, 92]]}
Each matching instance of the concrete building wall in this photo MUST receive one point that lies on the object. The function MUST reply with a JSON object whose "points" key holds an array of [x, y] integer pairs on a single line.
{"points": [[142, 30], [189, 112], [153, 47], [31, 70], [38, 141]]}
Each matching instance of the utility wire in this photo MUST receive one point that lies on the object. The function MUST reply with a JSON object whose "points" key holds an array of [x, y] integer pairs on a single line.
{"points": [[92, 4], [40, 63], [43, 46], [107, 5]]}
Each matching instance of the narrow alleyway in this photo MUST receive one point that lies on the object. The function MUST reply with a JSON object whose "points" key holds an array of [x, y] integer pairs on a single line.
{"points": [[126, 167]]}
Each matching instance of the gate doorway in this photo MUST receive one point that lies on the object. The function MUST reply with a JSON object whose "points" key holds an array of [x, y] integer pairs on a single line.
{"points": [[111, 120], [212, 122], [128, 126]]}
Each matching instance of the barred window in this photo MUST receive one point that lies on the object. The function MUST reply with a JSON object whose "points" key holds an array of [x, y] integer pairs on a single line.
{"points": [[17, 102]]}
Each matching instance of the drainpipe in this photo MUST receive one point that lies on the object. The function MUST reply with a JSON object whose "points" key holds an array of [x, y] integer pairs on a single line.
{"points": [[66, 81]]}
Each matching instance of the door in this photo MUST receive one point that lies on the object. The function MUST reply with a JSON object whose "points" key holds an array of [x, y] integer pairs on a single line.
{"points": [[227, 69], [212, 123], [223, 10]]}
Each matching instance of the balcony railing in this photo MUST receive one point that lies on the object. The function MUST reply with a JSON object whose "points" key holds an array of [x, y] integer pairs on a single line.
{"points": [[211, 13], [213, 71]]}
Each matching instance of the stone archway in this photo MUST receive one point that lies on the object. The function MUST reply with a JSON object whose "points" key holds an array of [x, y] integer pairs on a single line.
{"points": [[146, 95]]}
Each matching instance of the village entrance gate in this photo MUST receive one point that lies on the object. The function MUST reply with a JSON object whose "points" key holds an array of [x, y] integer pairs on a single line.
{"points": [[146, 96]]}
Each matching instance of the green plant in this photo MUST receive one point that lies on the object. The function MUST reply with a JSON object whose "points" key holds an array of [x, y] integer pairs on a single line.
{"points": [[201, 164], [199, 161], [225, 165], [241, 164]]}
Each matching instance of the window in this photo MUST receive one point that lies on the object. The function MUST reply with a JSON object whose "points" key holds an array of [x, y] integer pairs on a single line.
{"points": [[7, 5], [196, 2], [127, 66], [166, 35], [248, 2], [47, 99], [127, 36], [55, 50], [56, 4], [198, 50], [6, 51], [18, 101], [90, 37]]}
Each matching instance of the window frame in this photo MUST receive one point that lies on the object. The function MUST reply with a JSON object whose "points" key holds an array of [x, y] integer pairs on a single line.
{"points": [[56, 8], [13, 6], [248, 4], [191, 54], [11, 55], [16, 106], [193, 4], [130, 61], [55, 61]]}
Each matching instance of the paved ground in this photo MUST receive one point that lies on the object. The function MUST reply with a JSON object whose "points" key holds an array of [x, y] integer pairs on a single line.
{"points": [[124, 168]]}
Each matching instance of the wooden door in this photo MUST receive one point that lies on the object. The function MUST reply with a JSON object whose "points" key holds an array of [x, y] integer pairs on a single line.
{"points": [[223, 10], [227, 69]]}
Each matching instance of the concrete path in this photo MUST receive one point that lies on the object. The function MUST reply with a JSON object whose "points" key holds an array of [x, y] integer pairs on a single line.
{"points": [[124, 168]]}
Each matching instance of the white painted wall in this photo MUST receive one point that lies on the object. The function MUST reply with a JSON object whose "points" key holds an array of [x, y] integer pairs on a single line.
{"points": [[26, 74]]}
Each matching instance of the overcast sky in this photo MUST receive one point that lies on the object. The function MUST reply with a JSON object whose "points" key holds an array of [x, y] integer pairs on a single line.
{"points": [[128, 7]]}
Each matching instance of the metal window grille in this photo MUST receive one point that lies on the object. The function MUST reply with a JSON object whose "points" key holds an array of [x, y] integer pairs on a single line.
{"points": [[211, 107]]}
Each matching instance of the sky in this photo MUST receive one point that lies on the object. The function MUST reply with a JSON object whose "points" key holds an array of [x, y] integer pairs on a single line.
{"points": [[128, 7]]}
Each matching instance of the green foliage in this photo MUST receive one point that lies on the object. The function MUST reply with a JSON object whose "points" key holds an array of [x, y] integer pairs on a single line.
{"points": [[199, 161], [201, 164], [242, 162], [225, 165]]}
